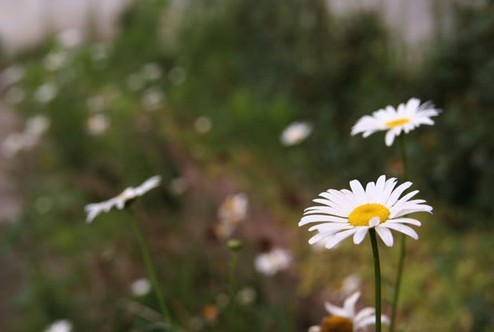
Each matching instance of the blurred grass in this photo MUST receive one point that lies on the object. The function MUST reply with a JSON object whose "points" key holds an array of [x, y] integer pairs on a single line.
{"points": [[250, 70]]}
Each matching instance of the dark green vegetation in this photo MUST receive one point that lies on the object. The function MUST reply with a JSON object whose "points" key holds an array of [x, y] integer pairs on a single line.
{"points": [[251, 70]]}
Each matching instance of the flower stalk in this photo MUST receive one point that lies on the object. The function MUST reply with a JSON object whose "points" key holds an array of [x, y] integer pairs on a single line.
{"points": [[401, 260], [151, 271], [377, 278]]}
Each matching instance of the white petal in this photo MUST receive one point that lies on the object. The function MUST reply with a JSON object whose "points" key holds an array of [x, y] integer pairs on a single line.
{"points": [[373, 222], [402, 229], [364, 314], [405, 221], [385, 235], [336, 311], [314, 328], [330, 227], [358, 190], [397, 193], [320, 218], [349, 304], [390, 137], [338, 237], [360, 235]]}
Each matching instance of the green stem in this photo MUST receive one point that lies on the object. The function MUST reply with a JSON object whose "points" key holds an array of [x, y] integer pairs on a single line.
{"points": [[377, 277], [151, 271], [403, 153], [401, 261], [232, 286]]}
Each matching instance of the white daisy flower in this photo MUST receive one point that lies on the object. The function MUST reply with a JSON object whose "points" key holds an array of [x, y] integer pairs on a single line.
{"points": [[405, 118], [231, 213], [344, 213], [119, 202], [141, 287], [27, 139], [62, 325], [295, 133], [97, 124], [273, 261], [346, 319]]}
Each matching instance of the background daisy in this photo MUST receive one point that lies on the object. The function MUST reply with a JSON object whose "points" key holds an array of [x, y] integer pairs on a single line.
{"points": [[395, 121], [346, 318]]}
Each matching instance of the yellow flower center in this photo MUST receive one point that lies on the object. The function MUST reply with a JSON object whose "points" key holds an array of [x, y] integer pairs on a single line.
{"points": [[336, 324], [397, 122], [362, 214]]}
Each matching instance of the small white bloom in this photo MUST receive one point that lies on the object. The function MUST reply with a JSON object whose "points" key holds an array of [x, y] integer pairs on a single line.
{"points": [[202, 125], [234, 208], [11, 75], [178, 186], [14, 95], [346, 318], [270, 263], [403, 119], [94, 209], [231, 212], [46, 92], [97, 124], [70, 38], [55, 61], [246, 296], [295, 133], [350, 284], [62, 325], [152, 71], [141, 287], [27, 139], [346, 213], [99, 52], [152, 99]]}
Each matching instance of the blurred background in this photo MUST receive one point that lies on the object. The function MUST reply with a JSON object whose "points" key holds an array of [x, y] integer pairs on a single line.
{"points": [[96, 96]]}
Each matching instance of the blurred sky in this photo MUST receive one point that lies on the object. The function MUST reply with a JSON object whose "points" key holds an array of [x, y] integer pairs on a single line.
{"points": [[24, 23]]}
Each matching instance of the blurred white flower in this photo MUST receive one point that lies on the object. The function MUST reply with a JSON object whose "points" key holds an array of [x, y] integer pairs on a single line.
{"points": [[55, 61], [271, 262], [62, 325], [295, 133], [246, 296], [177, 75], [97, 124], [346, 318], [350, 285], [152, 99], [11, 75], [230, 213], [202, 125], [35, 127], [234, 208], [70, 38], [119, 202], [99, 52], [14, 95], [152, 71], [178, 186], [46, 92], [405, 118], [141, 287]]}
